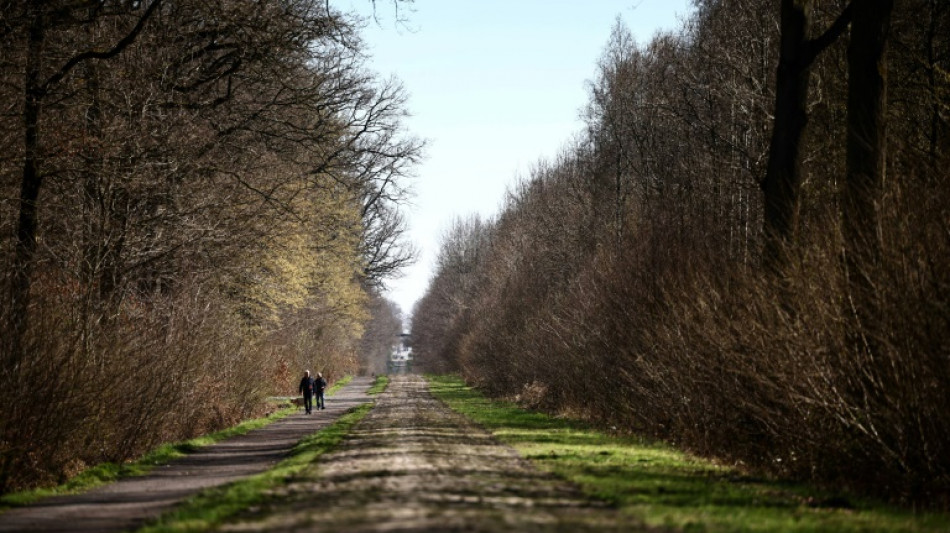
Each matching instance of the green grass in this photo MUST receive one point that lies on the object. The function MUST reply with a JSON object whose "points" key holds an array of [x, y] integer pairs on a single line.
{"points": [[212, 507], [661, 486], [382, 381], [338, 384]]}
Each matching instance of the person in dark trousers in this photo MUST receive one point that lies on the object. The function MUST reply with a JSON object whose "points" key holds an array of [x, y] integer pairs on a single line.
{"points": [[320, 385], [307, 388]]}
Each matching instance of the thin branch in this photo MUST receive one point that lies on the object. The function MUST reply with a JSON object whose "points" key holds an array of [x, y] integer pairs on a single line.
{"points": [[818, 45], [116, 50]]}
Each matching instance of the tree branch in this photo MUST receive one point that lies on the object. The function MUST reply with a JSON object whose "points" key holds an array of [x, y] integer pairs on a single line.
{"points": [[813, 47], [116, 50]]}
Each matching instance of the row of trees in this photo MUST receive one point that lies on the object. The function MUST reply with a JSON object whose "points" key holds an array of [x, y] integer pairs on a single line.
{"points": [[197, 201], [746, 252]]}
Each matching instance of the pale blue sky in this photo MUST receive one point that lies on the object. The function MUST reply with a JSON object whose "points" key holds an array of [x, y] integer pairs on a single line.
{"points": [[494, 86]]}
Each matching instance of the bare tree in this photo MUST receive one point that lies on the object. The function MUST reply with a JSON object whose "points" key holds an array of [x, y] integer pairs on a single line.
{"points": [[194, 188], [382, 333], [866, 156], [811, 365], [783, 175], [40, 79]]}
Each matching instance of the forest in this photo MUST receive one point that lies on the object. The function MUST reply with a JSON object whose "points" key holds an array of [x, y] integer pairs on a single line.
{"points": [[745, 252], [198, 200]]}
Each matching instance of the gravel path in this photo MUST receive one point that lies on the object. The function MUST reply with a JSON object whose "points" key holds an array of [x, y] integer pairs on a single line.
{"points": [[414, 465], [128, 503]]}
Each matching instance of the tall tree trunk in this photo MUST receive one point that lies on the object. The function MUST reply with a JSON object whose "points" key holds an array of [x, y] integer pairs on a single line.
{"points": [[93, 208], [866, 152], [31, 181], [35, 89], [783, 179], [783, 174]]}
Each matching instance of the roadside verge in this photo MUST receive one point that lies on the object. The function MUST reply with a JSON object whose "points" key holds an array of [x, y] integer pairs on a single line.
{"points": [[130, 502], [662, 486]]}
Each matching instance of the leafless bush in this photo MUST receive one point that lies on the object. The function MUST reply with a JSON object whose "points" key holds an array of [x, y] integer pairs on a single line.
{"points": [[626, 282], [752, 367], [107, 390]]}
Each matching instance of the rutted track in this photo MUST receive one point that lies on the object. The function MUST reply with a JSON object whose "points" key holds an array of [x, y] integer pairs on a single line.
{"points": [[414, 465]]}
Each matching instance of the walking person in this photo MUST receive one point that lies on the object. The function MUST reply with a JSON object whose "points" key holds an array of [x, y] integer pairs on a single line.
{"points": [[307, 388], [320, 385]]}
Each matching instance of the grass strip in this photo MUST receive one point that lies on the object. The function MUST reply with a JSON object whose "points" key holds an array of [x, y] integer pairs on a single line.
{"points": [[338, 384], [382, 381], [662, 486], [211, 507]]}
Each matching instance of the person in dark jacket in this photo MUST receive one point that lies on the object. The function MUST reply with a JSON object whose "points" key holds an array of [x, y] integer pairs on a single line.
{"points": [[320, 385], [307, 389]]}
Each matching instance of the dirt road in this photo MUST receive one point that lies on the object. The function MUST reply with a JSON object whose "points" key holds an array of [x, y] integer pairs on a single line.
{"points": [[414, 465], [128, 503]]}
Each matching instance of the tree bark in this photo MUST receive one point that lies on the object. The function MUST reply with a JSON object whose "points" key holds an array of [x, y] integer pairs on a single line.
{"points": [[782, 181], [783, 174], [25, 246], [866, 150]]}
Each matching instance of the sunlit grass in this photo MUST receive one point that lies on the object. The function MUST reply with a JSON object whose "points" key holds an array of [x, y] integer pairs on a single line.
{"points": [[338, 384], [212, 507], [661, 486], [382, 381]]}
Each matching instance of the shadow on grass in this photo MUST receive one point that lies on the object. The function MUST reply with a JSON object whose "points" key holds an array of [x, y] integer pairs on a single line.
{"points": [[104, 473], [212, 507], [665, 487]]}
